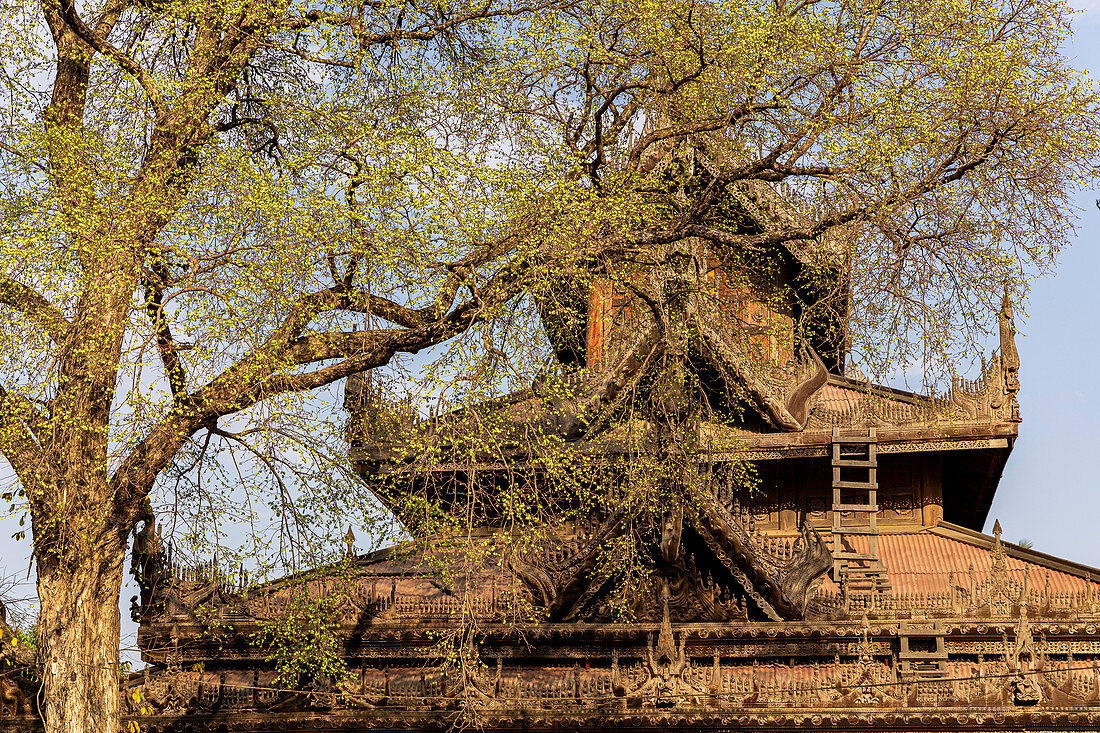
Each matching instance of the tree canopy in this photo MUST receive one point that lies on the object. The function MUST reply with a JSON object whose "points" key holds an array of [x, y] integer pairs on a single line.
{"points": [[211, 207]]}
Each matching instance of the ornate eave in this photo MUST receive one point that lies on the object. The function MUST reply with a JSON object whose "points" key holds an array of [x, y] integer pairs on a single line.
{"points": [[867, 718], [1020, 651], [1016, 652]]}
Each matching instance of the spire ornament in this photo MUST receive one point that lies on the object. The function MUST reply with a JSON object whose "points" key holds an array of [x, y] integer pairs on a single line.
{"points": [[999, 600], [349, 540], [1010, 357]]}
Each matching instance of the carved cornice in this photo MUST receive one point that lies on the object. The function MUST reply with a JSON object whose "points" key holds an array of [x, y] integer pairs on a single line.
{"points": [[769, 719]]}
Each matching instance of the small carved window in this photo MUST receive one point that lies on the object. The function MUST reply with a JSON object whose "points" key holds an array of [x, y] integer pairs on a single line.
{"points": [[923, 644]]}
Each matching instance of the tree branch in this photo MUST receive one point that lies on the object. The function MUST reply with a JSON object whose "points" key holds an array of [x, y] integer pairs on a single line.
{"points": [[21, 424], [166, 342], [35, 307], [98, 41]]}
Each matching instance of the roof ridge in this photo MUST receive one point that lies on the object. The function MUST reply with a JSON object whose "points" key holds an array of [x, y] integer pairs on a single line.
{"points": [[974, 538]]}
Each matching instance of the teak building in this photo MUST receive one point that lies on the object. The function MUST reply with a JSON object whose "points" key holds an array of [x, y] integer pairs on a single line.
{"points": [[851, 590]]}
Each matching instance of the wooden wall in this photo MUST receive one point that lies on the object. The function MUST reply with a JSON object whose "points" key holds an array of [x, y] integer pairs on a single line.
{"points": [[910, 492]]}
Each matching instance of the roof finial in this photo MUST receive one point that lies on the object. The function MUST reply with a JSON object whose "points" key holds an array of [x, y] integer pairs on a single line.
{"points": [[998, 571], [349, 540], [1010, 357]]}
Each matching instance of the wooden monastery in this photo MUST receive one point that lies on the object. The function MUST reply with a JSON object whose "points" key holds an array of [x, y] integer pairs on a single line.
{"points": [[847, 587]]}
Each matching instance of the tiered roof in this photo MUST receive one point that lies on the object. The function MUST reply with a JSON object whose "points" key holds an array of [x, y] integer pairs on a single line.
{"points": [[746, 622]]}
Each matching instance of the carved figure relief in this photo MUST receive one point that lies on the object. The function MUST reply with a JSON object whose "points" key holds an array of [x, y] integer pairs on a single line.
{"points": [[667, 684], [13, 701], [1024, 662]]}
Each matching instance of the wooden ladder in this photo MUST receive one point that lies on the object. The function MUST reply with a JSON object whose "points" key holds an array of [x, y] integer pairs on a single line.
{"points": [[922, 654], [864, 571]]}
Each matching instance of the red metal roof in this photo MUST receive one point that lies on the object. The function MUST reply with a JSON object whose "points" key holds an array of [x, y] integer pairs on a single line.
{"points": [[925, 561], [846, 401]]}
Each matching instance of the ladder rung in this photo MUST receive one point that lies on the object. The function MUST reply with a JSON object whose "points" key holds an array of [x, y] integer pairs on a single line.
{"points": [[877, 569], [869, 508], [921, 632], [867, 485], [854, 556], [924, 674], [854, 530], [870, 586], [854, 463], [921, 656], [854, 439]]}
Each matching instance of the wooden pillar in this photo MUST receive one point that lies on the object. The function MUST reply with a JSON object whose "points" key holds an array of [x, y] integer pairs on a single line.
{"points": [[931, 483], [598, 308], [788, 500]]}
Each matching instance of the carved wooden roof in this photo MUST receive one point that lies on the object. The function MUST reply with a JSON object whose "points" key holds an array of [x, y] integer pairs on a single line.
{"points": [[1010, 653], [946, 559], [999, 649]]}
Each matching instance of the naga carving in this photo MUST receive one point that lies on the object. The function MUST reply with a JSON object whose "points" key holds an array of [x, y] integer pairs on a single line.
{"points": [[13, 700], [785, 582], [993, 395], [789, 415], [565, 585], [644, 334]]}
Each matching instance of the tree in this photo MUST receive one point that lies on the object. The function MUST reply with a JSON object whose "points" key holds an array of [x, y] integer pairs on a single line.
{"points": [[229, 191]]}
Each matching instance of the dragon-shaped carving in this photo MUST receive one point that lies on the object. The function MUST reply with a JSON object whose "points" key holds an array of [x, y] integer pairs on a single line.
{"points": [[785, 583], [568, 588]]}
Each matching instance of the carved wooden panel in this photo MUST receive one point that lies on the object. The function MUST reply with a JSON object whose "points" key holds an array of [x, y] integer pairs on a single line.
{"points": [[899, 490], [812, 492]]}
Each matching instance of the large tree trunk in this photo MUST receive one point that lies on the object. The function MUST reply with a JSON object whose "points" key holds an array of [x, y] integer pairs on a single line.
{"points": [[78, 641]]}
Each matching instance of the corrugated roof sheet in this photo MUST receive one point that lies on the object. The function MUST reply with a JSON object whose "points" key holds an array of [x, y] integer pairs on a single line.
{"points": [[833, 398], [924, 562]]}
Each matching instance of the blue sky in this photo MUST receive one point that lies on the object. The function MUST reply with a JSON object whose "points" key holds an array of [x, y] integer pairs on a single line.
{"points": [[1050, 490]]}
